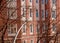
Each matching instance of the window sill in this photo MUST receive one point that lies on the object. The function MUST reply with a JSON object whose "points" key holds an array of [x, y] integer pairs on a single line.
{"points": [[11, 34], [23, 33], [31, 33], [53, 19]]}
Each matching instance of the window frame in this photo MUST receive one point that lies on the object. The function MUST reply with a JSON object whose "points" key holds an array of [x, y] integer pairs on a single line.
{"points": [[46, 1], [30, 0], [24, 41], [36, 1], [53, 1], [37, 28], [10, 33], [31, 29], [46, 13], [43, 14], [24, 29], [53, 27], [37, 13], [32, 41], [23, 10], [31, 15], [12, 14], [42, 1], [53, 15]]}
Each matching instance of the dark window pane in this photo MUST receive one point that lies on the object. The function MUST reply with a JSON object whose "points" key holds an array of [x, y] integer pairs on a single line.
{"points": [[37, 13]]}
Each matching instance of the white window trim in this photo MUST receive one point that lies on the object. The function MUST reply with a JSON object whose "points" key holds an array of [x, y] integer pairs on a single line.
{"points": [[12, 34], [52, 28], [32, 29], [37, 1], [12, 4], [23, 11], [44, 27], [9, 14], [54, 1], [30, 1], [55, 15], [39, 41], [13, 17], [30, 13], [42, 3], [24, 33], [38, 28], [30, 17], [24, 40], [53, 6], [31, 40], [43, 18], [37, 18], [22, 0]]}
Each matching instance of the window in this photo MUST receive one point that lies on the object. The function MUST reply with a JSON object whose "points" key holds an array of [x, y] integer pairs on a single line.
{"points": [[46, 27], [39, 41], [43, 26], [44, 41], [12, 13], [36, 1], [30, 12], [7, 41], [46, 13], [42, 1], [53, 1], [54, 14], [24, 12], [32, 41], [42, 13], [53, 27], [31, 28], [12, 29], [24, 41], [30, 0], [38, 27], [22, 0], [46, 1], [37, 13], [11, 3], [24, 28], [10, 0]]}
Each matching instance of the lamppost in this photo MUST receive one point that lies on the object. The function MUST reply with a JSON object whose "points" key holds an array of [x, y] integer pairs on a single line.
{"points": [[18, 32], [23, 19]]}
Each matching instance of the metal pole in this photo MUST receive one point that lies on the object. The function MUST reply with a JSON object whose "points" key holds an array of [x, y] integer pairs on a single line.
{"points": [[18, 33]]}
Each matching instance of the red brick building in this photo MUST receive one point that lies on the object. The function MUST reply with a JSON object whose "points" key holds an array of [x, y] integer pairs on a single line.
{"points": [[49, 16], [10, 15], [17, 12], [43, 16]]}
